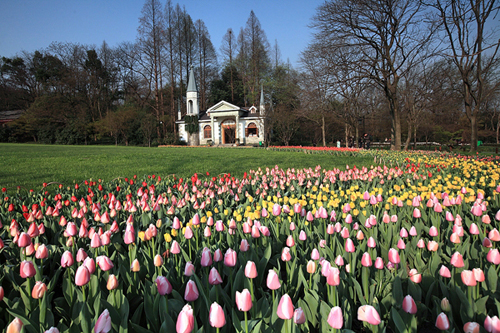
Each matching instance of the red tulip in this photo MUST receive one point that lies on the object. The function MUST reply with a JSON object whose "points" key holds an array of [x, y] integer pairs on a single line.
{"points": [[409, 305], [442, 322], [216, 316], [368, 314], [27, 269], [103, 323], [191, 293], [185, 320], [2, 293], [336, 318], [82, 276], [244, 300]]}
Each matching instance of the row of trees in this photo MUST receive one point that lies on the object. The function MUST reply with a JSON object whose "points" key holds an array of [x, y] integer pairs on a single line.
{"points": [[398, 69]]}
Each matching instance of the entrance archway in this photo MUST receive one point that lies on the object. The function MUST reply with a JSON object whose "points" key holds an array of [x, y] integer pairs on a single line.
{"points": [[228, 131]]}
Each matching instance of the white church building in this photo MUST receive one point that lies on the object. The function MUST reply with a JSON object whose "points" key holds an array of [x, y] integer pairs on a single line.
{"points": [[222, 124]]}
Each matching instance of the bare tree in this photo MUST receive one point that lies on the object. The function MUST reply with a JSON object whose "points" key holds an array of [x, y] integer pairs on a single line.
{"points": [[472, 49], [388, 35], [228, 50]]}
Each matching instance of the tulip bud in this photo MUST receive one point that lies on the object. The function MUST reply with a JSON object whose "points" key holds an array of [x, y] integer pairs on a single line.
{"points": [[445, 305], [112, 282]]}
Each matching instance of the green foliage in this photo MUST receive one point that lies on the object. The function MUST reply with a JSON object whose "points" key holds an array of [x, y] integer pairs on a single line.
{"points": [[191, 124]]}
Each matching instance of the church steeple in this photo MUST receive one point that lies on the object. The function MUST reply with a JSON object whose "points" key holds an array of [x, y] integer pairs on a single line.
{"points": [[192, 95]]}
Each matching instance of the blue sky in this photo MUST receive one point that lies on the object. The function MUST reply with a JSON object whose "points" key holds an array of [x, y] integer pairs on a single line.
{"points": [[31, 25]]}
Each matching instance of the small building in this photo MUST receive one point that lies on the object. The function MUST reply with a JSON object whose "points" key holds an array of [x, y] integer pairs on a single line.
{"points": [[8, 116], [222, 124]]}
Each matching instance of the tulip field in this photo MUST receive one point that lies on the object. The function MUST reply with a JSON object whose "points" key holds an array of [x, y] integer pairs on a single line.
{"points": [[410, 244]]}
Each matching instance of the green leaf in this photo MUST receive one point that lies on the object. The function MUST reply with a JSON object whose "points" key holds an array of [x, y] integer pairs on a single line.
{"points": [[481, 305], [398, 321], [492, 279], [397, 291], [85, 319]]}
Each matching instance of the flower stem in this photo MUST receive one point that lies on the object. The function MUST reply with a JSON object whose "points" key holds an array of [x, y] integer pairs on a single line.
{"points": [[246, 322]]}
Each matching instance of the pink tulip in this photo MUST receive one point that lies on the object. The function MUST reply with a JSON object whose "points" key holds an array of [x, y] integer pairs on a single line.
{"points": [[444, 272], [103, 323], [474, 229], [457, 260], [403, 233], [90, 264], [273, 281], [214, 277], [39, 290], [52, 330], [112, 282], [206, 257], [468, 278], [336, 318], [494, 235], [71, 229], [339, 261], [333, 276], [244, 300], [27, 269], [15, 326], [136, 266], [432, 246], [185, 320], [96, 241], [289, 241], [42, 252], [478, 274], [285, 307], [442, 322], [129, 236], [175, 247], [349, 246], [493, 256], [413, 231], [409, 305], [394, 256], [276, 209], [366, 260], [105, 264], [433, 232], [368, 314], [82, 276], [191, 293], [250, 270], [487, 242], [67, 259], [302, 236], [230, 258], [492, 324], [163, 285], [188, 233], [379, 263], [416, 213], [218, 255], [401, 244], [415, 276], [285, 254], [348, 219], [216, 316], [24, 240], [298, 316], [472, 327], [371, 243]]}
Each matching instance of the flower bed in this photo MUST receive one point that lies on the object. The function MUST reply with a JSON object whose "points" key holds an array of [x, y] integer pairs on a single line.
{"points": [[395, 249]]}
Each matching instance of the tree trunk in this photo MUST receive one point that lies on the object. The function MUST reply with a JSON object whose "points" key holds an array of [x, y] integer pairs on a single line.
{"points": [[323, 130], [408, 139], [473, 134]]}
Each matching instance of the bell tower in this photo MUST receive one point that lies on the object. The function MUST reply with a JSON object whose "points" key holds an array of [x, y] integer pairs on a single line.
{"points": [[192, 95]]}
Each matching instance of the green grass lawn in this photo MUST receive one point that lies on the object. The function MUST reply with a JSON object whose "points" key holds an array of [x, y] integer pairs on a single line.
{"points": [[30, 165]]}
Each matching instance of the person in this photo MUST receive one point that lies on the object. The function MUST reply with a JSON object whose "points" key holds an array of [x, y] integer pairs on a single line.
{"points": [[367, 140]]}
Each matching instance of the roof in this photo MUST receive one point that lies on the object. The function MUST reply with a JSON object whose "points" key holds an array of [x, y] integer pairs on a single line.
{"points": [[192, 82], [7, 116]]}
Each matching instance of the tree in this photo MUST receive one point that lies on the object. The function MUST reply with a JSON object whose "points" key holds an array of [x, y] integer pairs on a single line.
{"points": [[228, 50], [150, 40], [253, 58], [472, 50], [207, 62], [389, 36]]}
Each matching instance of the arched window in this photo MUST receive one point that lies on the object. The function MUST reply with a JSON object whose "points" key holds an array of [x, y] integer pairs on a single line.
{"points": [[251, 130], [190, 107], [207, 132]]}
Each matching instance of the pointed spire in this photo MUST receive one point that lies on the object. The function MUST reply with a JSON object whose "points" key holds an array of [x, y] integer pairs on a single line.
{"points": [[192, 82]]}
